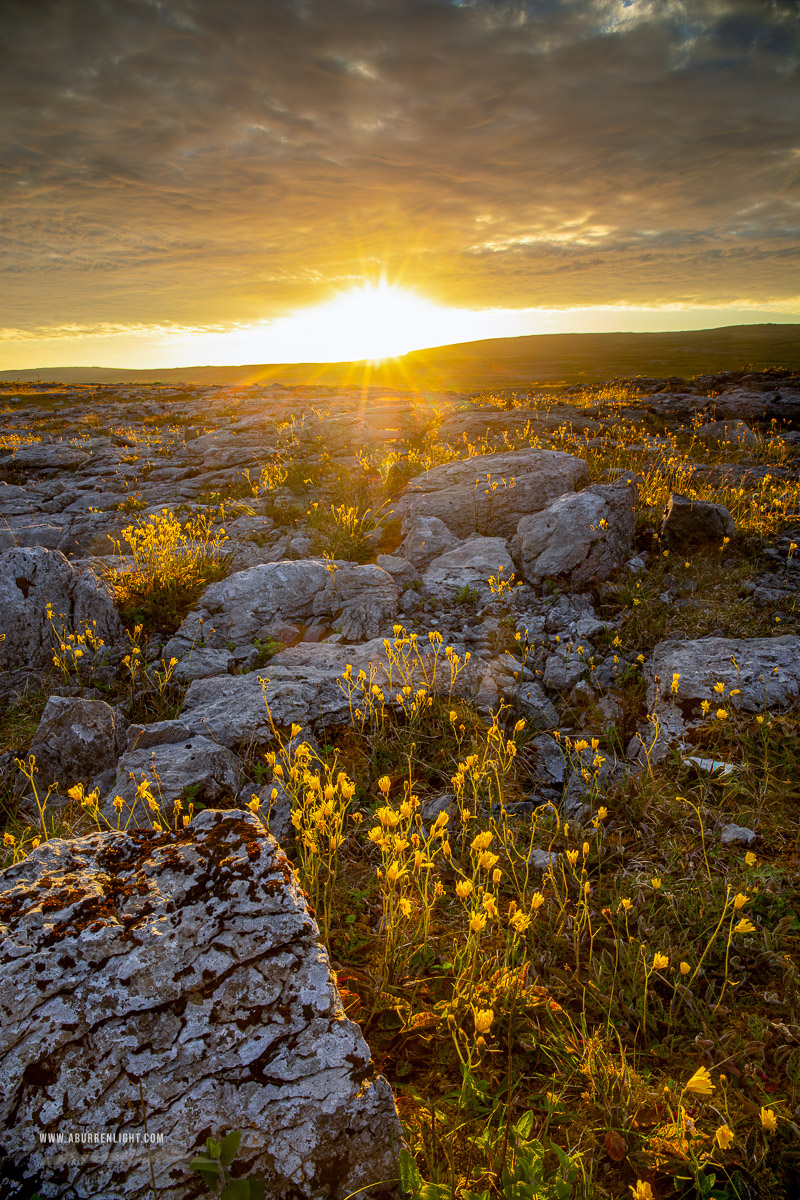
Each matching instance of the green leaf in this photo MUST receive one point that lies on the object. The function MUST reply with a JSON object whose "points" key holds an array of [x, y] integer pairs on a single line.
{"points": [[435, 1191], [237, 1189], [230, 1146], [523, 1126], [214, 1149], [209, 1178], [410, 1179], [197, 1164]]}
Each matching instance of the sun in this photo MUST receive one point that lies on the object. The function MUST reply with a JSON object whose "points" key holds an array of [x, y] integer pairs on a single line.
{"points": [[373, 321]]}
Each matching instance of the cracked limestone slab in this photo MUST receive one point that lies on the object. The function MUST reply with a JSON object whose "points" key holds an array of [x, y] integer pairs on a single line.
{"points": [[360, 600], [489, 493], [302, 685], [764, 672], [182, 970]]}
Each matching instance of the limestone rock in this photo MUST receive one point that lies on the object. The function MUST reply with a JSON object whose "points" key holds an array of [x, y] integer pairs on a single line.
{"points": [[543, 860], [76, 741], [30, 579], [582, 537], [489, 493], [735, 433], [688, 522], [360, 600], [302, 685], [470, 564], [424, 539], [208, 773], [563, 670], [549, 758], [401, 570], [184, 968], [736, 835], [766, 672]]}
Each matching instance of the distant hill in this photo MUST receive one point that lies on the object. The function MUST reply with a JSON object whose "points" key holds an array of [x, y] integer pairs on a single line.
{"points": [[494, 362]]}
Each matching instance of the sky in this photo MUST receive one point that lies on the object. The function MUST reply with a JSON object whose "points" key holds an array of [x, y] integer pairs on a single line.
{"points": [[190, 181]]}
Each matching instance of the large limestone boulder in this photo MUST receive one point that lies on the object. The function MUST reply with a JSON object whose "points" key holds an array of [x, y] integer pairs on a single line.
{"points": [[490, 492], [581, 538], [31, 578], [182, 970], [300, 685], [765, 672], [360, 601]]}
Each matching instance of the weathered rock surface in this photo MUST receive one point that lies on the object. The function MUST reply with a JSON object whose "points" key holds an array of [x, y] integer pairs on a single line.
{"points": [[735, 433], [424, 539], [303, 684], [30, 580], [489, 493], [194, 768], [182, 968], [77, 741], [470, 564], [359, 600], [690, 522], [582, 537], [764, 671]]}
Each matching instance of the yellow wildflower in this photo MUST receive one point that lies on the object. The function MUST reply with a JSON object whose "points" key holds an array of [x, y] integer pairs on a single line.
{"points": [[483, 1019], [724, 1137], [477, 922], [519, 922], [768, 1120], [700, 1083], [744, 926], [660, 961]]}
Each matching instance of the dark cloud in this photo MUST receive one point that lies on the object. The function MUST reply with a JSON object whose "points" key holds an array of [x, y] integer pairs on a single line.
{"points": [[194, 161]]}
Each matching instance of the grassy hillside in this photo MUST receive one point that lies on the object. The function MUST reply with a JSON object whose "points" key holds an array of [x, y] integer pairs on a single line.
{"points": [[497, 362]]}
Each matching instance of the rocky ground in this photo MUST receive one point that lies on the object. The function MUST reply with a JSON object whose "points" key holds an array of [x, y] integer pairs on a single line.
{"points": [[186, 575]]}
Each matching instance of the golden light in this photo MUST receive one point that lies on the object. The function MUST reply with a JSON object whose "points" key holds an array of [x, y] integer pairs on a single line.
{"points": [[375, 321]]}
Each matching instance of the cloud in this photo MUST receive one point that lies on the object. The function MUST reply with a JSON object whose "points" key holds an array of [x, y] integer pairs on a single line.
{"points": [[194, 163]]}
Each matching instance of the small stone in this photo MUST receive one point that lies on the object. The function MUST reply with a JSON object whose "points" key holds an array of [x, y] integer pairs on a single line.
{"points": [[543, 860], [737, 835]]}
